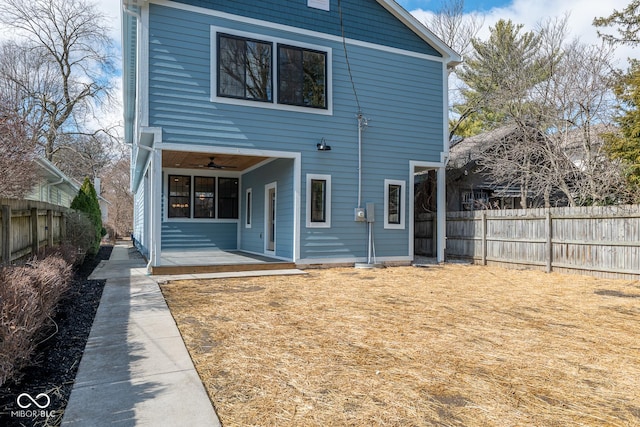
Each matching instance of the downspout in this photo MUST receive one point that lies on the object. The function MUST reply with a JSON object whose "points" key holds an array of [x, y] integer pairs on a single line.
{"points": [[48, 187], [130, 12], [362, 123], [359, 159]]}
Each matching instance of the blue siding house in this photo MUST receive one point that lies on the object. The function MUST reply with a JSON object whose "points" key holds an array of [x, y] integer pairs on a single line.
{"points": [[284, 128]]}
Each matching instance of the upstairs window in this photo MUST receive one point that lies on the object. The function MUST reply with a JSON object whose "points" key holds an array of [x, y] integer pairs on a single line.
{"points": [[244, 68], [302, 77], [256, 70]]}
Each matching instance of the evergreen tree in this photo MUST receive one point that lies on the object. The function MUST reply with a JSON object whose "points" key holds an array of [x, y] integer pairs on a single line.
{"points": [[625, 144], [87, 201], [627, 21]]}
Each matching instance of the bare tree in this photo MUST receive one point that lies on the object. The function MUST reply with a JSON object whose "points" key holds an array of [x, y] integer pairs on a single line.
{"points": [[63, 65], [80, 156], [115, 188], [556, 96], [17, 170], [455, 28]]}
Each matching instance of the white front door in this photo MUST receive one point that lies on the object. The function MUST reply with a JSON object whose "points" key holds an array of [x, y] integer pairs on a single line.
{"points": [[270, 218]]}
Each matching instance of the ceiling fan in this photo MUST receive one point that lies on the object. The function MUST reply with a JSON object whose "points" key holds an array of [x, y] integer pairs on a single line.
{"points": [[214, 165]]}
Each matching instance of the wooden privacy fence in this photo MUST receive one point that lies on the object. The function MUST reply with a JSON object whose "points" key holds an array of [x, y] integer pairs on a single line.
{"points": [[600, 240], [603, 241], [27, 226]]}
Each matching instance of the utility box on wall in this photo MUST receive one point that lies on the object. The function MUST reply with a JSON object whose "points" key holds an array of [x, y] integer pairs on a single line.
{"points": [[371, 217], [359, 215]]}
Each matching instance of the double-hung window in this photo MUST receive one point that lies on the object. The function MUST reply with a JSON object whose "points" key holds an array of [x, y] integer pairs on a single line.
{"points": [[318, 201], [278, 73], [204, 197], [179, 196]]}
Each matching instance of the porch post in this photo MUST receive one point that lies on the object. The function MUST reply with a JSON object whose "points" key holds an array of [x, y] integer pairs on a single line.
{"points": [[442, 212], [156, 207]]}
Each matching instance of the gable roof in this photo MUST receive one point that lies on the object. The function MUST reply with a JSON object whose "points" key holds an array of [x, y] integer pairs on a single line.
{"points": [[451, 57]]}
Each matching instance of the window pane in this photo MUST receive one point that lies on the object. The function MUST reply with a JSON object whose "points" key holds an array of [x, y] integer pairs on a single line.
{"points": [[203, 197], [228, 198], [231, 67], [179, 195], [290, 76], [394, 204], [314, 79], [248, 210], [258, 71], [318, 200], [244, 68]]}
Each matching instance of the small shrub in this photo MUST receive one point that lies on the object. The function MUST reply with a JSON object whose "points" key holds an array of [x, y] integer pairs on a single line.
{"points": [[29, 295], [87, 201], [80, 236]]}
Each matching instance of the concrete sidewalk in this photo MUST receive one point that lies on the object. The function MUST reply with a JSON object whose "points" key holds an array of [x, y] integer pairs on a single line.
{"points": [[135, 370]]}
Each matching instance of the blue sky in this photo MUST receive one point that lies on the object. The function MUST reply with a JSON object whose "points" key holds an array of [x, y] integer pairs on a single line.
{"points": [[469, 5]]}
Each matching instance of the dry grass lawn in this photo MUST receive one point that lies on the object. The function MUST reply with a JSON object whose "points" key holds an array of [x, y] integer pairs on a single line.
{"points": [[406, 346]]}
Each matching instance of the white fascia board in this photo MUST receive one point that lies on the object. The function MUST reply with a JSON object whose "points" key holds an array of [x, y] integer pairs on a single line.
{"points": [[452, 58]]}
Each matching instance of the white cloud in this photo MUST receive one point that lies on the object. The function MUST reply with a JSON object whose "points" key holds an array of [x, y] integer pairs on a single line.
{"points": [[581, 14]]}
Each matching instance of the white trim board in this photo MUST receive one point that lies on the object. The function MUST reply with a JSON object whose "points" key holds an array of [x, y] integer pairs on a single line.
{"points": [[305, 32]]}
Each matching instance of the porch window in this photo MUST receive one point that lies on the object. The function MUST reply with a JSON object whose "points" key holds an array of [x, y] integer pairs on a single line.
{"points": [[244, 68], [302, 77], [204, 197], [228, 198], [394, 204], [179, 196], [318, 201]]}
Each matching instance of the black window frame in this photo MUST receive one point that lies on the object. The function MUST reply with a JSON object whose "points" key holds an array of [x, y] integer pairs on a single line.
{"points": [[223, 199], [174, 200], [201, 197], [313, 196], [281, 73], [398, 206], [269, 97]]}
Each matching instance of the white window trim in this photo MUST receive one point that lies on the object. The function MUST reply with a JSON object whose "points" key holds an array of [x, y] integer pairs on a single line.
{"points": [[327, 222], [248, 208], [274, 74], [403, 204]]}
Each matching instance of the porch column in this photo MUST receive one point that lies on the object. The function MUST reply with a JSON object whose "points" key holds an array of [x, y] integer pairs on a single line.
{"points": [[156, 207], [442, 213]]}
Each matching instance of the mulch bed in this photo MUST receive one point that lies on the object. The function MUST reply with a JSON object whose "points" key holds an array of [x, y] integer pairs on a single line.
{"points": [[56, 363]]}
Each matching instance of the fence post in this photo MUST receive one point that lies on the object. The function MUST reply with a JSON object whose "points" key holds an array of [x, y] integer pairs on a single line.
{"points": [[549, 242], [63, 227], [35, 239], [484, 237], [6, 234], [49, 228]]}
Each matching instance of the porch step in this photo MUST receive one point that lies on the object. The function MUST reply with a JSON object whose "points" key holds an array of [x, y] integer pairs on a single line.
{"points": [[220, 268]]}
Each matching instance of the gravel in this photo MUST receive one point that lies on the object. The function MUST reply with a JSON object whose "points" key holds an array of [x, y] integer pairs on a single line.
{"points": [[55, 365]]}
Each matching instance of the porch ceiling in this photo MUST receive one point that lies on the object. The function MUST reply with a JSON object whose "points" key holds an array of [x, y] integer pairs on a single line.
{"points": [[189, 160]]}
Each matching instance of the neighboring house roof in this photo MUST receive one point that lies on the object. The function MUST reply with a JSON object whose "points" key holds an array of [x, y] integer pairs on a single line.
{"points": [[469, 149], [54, 176], [579, 148]]}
